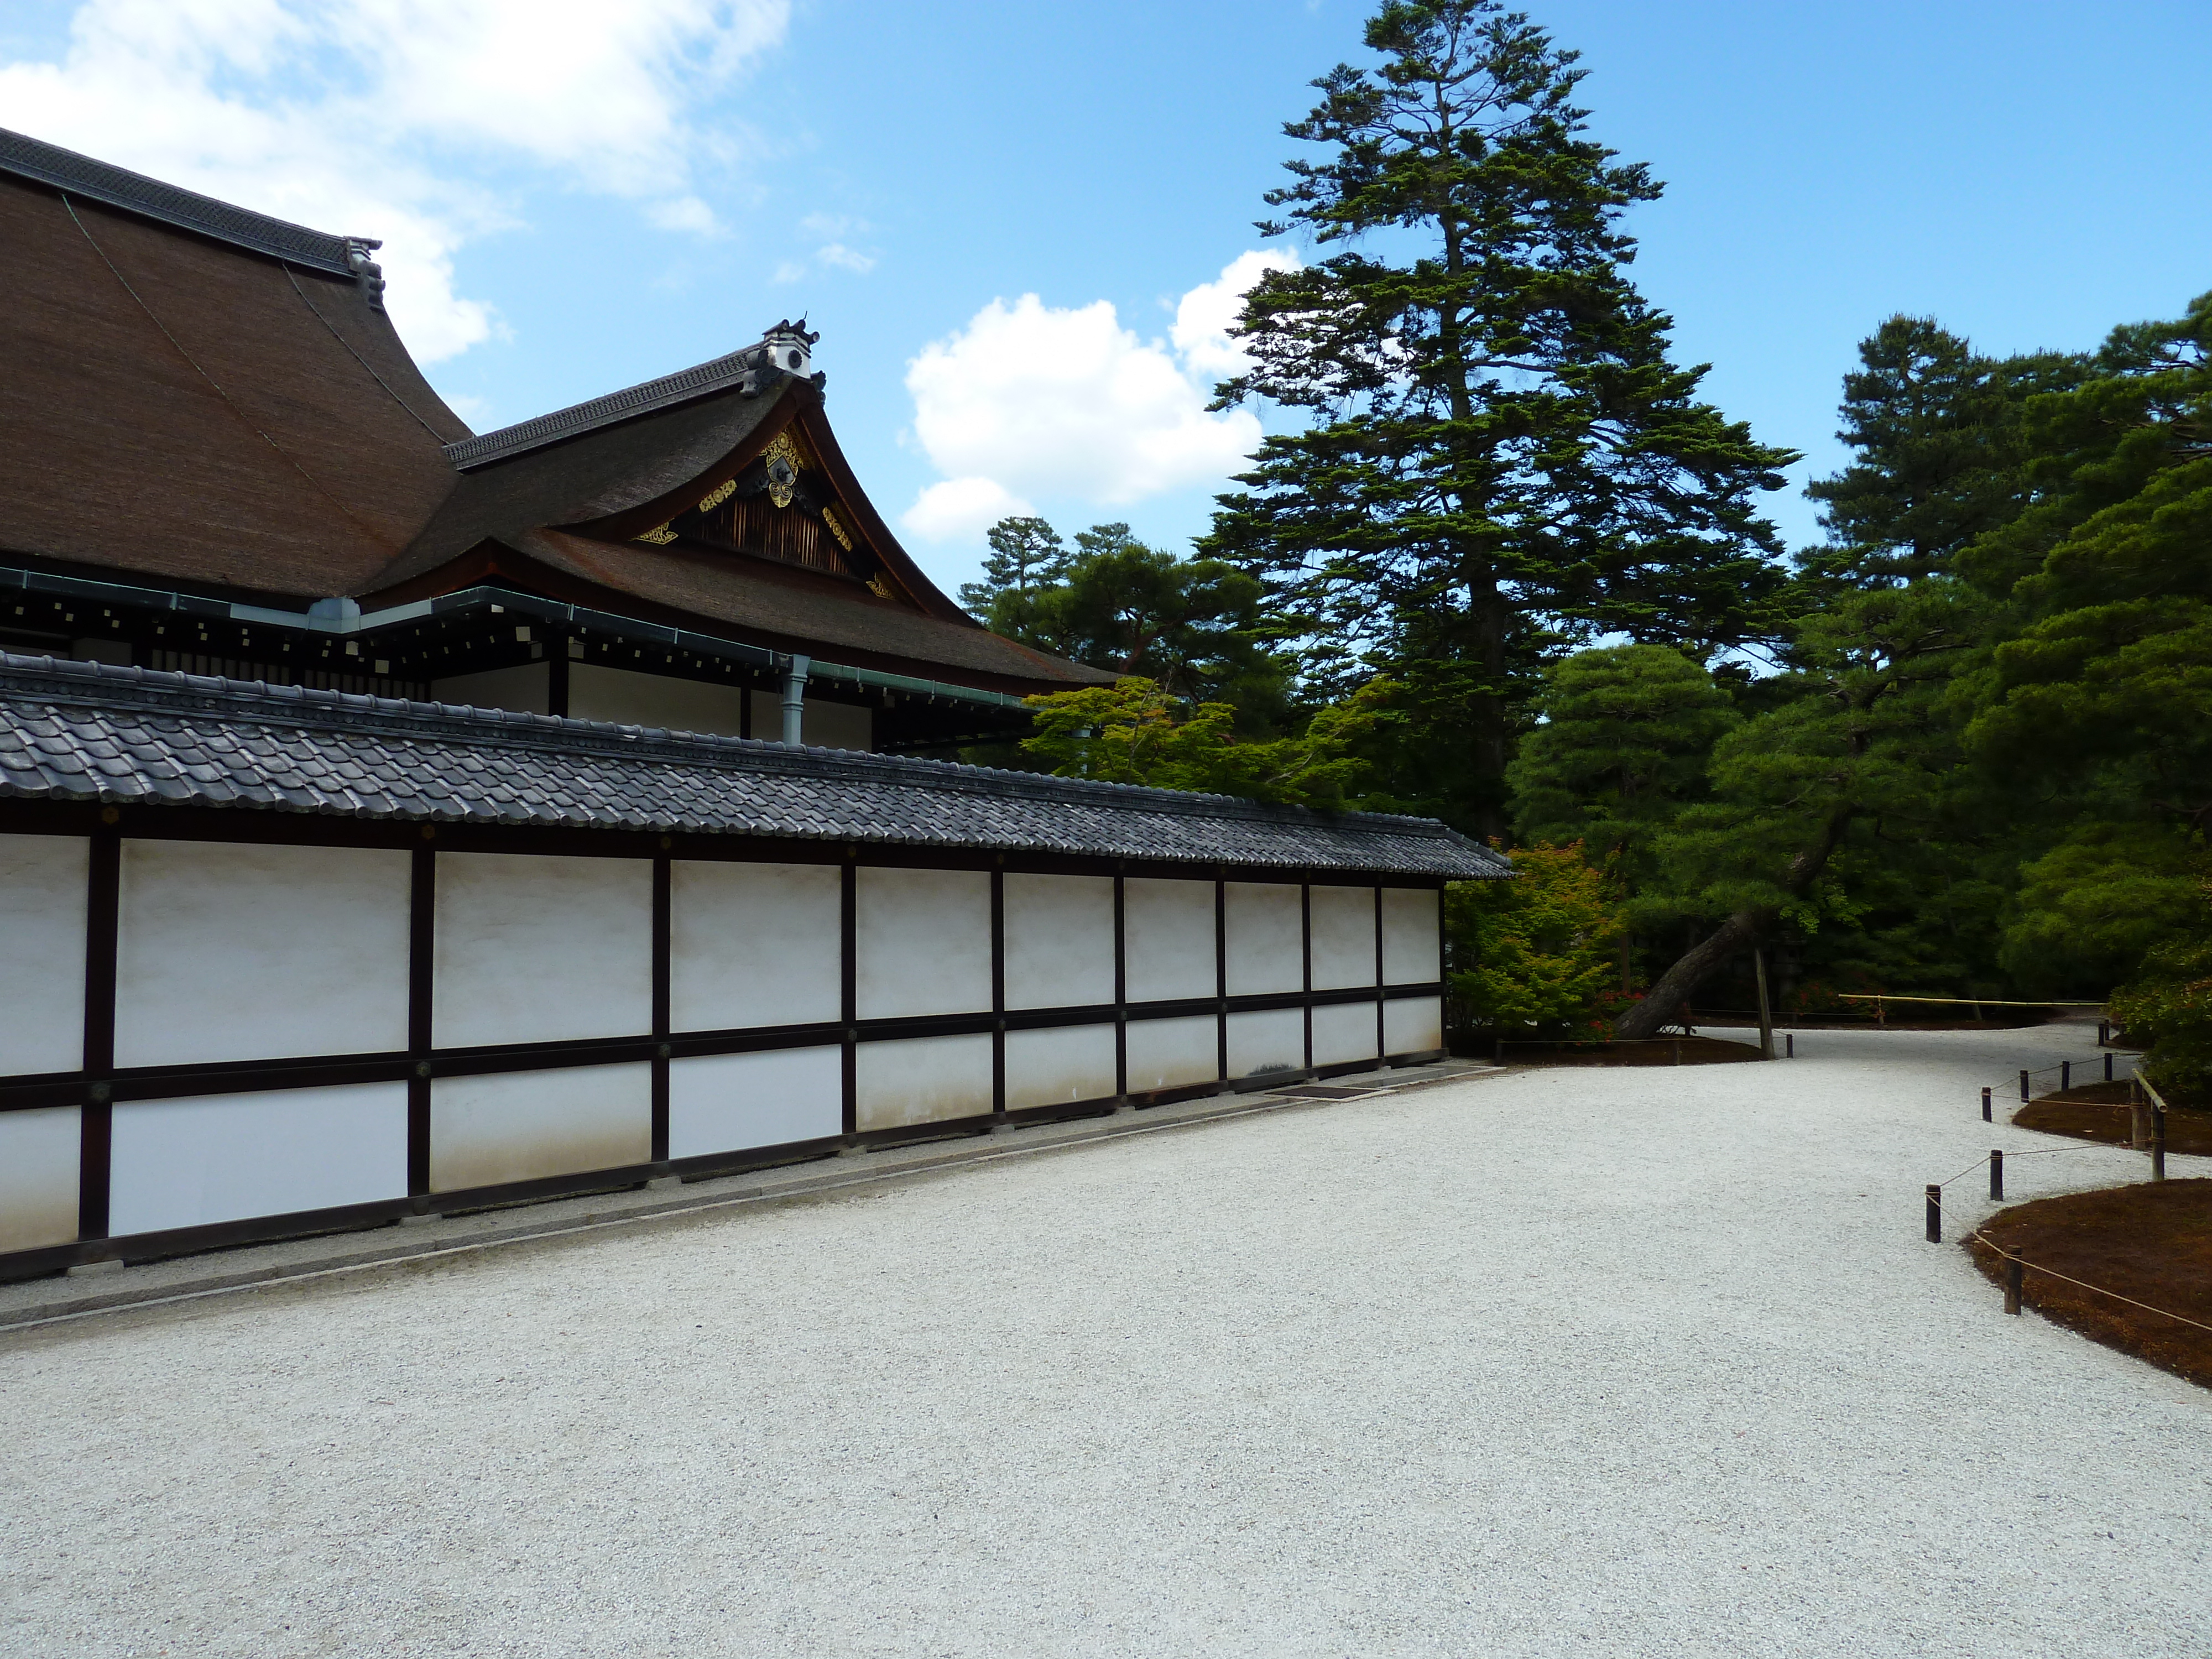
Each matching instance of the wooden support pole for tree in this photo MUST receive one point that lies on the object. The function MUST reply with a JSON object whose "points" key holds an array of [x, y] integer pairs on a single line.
{"points": [[1935, 1213], [1997, 1173], [1765, 1014], [2015, 1272], [2139, 1127]]}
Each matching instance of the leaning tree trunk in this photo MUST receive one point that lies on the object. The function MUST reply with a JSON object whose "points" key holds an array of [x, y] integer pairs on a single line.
{"points": [[1667, 999]]}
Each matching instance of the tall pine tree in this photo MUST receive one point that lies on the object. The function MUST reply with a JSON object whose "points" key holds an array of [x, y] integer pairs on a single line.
{"points": [[1501, 460]]}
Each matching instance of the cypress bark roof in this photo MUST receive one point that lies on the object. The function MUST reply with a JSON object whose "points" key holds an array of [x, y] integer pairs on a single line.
{"points": [[82, 732]]}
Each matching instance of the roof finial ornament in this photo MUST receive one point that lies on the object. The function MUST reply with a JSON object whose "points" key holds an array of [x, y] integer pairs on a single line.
{"points": [[366, 270]]}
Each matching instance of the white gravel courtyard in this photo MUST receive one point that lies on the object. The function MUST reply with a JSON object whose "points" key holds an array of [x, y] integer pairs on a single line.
{"points": [[1674, 1375]]}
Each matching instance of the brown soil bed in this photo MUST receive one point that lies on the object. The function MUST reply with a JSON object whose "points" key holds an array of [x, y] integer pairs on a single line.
{"points": [[2153, 1243], [1646, 1051], [2103, 1112]]}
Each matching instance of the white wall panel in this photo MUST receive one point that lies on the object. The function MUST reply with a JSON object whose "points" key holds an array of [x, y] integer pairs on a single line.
{"points": [[921, 1080], [1412, 1025], [1060, 941], [538, 949], [1410, 943], [227, 1158], [1273, 1040], [924, 942], [628, 698], [230, 951], [1173, 1054], [524, 1126], [527, 689], [1344, 1032], [726, 1102], [42, 920], [1266, 937], [1168, 926], [1343, 938], [37, 1177], [753, 945], [1053, 1067]]}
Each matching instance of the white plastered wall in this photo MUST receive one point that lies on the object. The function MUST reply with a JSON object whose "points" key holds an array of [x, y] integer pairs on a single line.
{"points": [[727, 1102], [39, 1177], [1343, 938], [753, 945], [1410, 943], [923, 942], [1343, 1032], [1271, 1040], [524, 1125], [42, 912], [229, 951], [1264, 933], [533, 948], [921, 1080], [225, 1157], [1412, 1025], [527, 689], [821, 724], [626, 697], [1173, 1054], [1168, 942], [1060, 941], [1053, 1067]]}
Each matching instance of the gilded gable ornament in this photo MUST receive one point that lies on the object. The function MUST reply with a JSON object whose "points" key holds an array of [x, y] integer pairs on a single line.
{"points": [[783, 464]]}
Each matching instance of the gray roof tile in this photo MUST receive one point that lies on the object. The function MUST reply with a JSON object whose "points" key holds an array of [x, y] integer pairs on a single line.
{"points": [[78, 730]]}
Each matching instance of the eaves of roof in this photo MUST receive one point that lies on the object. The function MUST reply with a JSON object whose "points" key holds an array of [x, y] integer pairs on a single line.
{"points": [[82, 731]]}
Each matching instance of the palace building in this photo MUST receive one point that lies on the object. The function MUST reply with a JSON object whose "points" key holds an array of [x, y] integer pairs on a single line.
{"points": [[396, 820]]}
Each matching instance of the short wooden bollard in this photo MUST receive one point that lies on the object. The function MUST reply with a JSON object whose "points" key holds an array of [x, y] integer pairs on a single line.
{"points": [[2104, 1037], [1985, 1107], [2108, 1068], [1935, 1213], [1788, 1045], [2157, 1144], [2065, 1075], [2023, 1088], [1678, 1051], [2015, 1272], [1997, 1173]]}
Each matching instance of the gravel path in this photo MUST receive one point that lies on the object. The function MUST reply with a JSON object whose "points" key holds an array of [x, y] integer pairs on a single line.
{"points": [[1398, 1376]]}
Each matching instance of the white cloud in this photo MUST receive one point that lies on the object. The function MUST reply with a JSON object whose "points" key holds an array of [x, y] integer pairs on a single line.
{"points": [[366, 116], [845, 258], [1034, 400], [962, 509], [1206, 313]]}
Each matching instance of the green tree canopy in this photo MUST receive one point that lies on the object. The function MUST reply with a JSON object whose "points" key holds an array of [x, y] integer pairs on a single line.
{"points": [[1500, 458]]}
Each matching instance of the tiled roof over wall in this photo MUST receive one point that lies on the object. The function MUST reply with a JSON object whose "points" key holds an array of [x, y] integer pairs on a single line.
{"points": [[73, 730]]}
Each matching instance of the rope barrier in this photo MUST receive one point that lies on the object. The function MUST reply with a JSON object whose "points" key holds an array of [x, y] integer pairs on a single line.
{"points": [[2083, 1284]]}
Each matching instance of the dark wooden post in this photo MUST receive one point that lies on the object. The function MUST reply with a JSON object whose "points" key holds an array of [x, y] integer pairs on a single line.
{"points": [[2065, 1075], [2139, 1127], [1997, 1173], [2108, 1068], [2157, 1144], [2023, 1088], [1986, 1118], [2015, 1271], [1790, 1045], [1935, 1213], [1765, 1014]]}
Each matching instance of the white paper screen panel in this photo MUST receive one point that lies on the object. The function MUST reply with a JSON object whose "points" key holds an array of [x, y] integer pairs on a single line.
{"points": [[924, 939], [1060, 941], [921, 1080], [1343, 938], [753, 945], [227, 1158], [532, 948], [1410, 943], [1265, 935], [1412, 1025], [1344, 1032], [1271, 1040], [42, 915], [727, 1102], [37, 1177], [526, 1126], [1053, 1067], [230, 951], [1168, 929], [1173, 1054]]}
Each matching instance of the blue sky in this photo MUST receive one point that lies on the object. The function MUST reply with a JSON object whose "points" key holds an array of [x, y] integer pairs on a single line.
{"points": [[577, 196]]}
